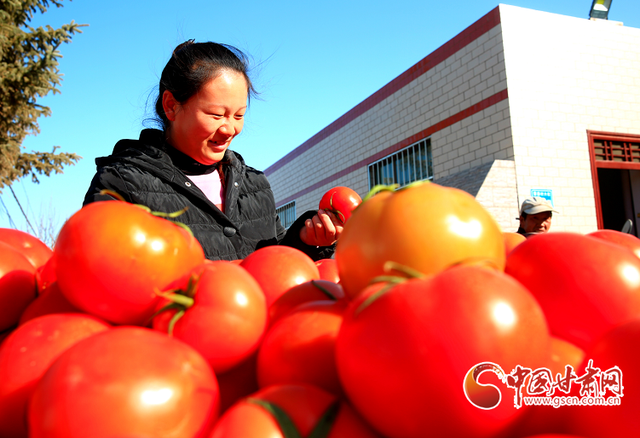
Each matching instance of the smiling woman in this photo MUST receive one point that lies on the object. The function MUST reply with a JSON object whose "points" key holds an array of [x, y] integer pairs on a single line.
{"points": [[203, 96]]}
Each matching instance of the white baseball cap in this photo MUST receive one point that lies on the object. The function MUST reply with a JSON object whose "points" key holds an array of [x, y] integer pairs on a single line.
{"points": [[535, 206]]}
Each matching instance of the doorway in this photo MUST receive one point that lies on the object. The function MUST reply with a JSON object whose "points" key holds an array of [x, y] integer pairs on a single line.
{"points": [[615, 167]]}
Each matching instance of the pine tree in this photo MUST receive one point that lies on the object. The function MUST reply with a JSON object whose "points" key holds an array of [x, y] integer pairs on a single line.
{"points": [[28, 70]]}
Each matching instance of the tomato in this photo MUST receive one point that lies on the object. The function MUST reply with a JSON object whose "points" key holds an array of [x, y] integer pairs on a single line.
{"points": [[46, 275], [238, 382], [403, 355], [616, 348], [34, 249], [511, 240], [300, 347], [619, 238], [328, 269], [50, 301], [228, 316], [341, 201], [125, 382], [278, 268], [586, 286], [313, 290], [564, 353], [426, 227], [26, 355], [112, 258], [303, 406], [17, 285]]}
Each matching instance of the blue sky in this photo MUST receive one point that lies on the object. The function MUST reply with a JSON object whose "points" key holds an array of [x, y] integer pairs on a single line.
{"points": [[313, 62]]}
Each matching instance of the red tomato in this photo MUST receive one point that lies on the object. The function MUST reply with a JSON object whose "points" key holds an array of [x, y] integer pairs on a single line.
{"points": [[328, 269], [303, 406], [300, 347], [616, 348], [426, 227], [619, 238], [237, 383], [341, 201], [314, 290], [564, 353], [278, 268], [112, 258], [46, 275], [403, 355], [125, 382], [34, 249], [585, 286], [228, 316], [17, 285], [50, 301], [511, 240], [27, 353]]}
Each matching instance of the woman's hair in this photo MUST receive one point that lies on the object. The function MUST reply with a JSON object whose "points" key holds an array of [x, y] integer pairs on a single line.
{"points": [[192, 65]]}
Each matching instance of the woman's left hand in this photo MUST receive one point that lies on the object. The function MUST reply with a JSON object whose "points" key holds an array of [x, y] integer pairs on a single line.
{"points": [[323, 229]]}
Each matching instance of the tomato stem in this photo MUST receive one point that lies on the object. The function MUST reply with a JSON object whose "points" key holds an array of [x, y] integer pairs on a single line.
{"points": [[116, 195], [325, 423], [287, 427], [374, 296], [324, 290], [377, 189], [406, 270]]}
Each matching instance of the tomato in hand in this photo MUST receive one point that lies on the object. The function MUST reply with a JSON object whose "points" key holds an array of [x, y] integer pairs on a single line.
{"points": [[278, 268], [17, 285], [112, 257], [25, 356], [125, 382], [227, 317], [403, 355], [341, 201], [426, 227], [586, 286]]}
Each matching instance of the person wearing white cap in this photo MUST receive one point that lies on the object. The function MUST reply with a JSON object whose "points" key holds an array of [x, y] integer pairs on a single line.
{"points": [[535, 216]]}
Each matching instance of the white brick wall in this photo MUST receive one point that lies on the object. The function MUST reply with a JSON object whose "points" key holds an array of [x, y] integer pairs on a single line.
{"points": [[574, 75], [564, 76]]}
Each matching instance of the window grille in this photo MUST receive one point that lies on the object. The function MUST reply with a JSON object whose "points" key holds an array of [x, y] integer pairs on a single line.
{"points": [[612, 150], [287, 214], [410, 164]]}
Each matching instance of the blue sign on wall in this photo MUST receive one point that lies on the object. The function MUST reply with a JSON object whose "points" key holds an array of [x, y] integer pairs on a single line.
{"points": [[543, 193]]}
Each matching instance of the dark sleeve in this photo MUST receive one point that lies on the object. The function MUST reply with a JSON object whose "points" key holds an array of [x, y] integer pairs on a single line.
{"points": [[291, 237], [106, 178]]}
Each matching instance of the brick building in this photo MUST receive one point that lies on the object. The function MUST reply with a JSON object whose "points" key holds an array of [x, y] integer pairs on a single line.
{"points": [[521, 102]]}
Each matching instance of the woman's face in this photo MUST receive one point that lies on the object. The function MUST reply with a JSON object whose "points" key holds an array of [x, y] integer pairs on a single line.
{"points": [[204, 125]]}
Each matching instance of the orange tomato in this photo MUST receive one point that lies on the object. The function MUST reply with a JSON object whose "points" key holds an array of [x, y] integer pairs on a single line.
{"points": [[426, 227]]}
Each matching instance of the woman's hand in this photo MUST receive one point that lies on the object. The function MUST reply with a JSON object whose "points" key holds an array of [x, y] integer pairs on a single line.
{"points": [[323, 229]]}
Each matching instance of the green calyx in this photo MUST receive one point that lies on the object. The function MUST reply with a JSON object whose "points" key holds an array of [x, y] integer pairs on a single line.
{"points": [[286, 425], [390, 280], [180, 300], [172, 215], [324, 290]]}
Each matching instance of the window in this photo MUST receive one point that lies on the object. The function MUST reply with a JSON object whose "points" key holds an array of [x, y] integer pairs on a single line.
{"points": [[403, 167], [616, 150], [287, 214]]}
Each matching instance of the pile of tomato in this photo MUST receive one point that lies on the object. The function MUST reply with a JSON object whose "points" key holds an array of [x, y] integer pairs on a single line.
{"points": [[431, 321]]}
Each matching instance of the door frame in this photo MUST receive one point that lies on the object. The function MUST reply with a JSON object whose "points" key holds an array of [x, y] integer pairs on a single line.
{"points": [[633, 162]]}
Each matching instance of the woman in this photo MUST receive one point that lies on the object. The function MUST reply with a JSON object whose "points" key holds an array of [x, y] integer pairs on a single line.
{"points": [[203, 96]]}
